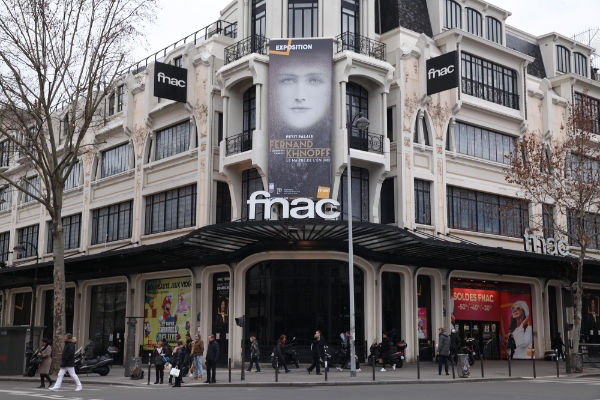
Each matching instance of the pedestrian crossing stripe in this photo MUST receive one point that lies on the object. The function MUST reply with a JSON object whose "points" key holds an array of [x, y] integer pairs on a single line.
{"points": [[569, 381]]}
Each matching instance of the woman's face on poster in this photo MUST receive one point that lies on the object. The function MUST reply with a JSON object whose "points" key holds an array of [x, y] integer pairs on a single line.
{"points": [[517, 312], [593, 305], [303, 94], [223, 305]]}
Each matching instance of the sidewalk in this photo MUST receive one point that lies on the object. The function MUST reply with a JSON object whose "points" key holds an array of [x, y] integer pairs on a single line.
{"points": [[493, 370]]}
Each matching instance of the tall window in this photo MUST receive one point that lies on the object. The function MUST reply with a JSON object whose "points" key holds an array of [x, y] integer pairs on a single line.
{"points": [[302, 18], [350, 16], [115, 160], [178, 62], [452, 15], [390, 123], [249, 111], [111, 104], [28, 236], [547, 220], [33, 186], [174, 209], [173, 140], [120, 97], [259, 17], [591, 229], [4, 153], [481, 143], [251, 182], [488, 213], [357, 101], [580, 62], [219, 127], [494, 30], [71, 232], [422, 202], [474, 22], [74, 176], [563, 59], [590, 108], [4, 246], [388, 203], [112, 223], [489, 81], [360, 194], [223, 203], [5, 194], [421, 121]]}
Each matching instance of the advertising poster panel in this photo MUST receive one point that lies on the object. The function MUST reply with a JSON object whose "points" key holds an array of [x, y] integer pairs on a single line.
{"points": [[590, 327], [167, 310], [422, 324], [221, 314], [475, 304], [300, 118], [516, 319]]}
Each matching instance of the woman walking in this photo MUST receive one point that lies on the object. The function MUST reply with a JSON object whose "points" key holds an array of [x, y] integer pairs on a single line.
{"points": [[178, 361], [159, 364], [46, 354], [254, 354]]}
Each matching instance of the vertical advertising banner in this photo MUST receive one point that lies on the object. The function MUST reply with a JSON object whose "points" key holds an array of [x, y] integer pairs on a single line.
{"points": [[300, 118], [590, 327], [422, 323], [221, 313], [516, 319], [167, 310]]}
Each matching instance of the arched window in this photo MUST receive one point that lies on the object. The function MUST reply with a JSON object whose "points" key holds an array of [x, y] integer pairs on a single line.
{"points": [[416, 138], [474, 22], [357, 101], [563, 59], [360, 194], [580, 62], [452, 15], [494, 30]]}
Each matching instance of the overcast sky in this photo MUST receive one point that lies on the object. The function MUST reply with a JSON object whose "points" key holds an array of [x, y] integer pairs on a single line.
{"points": [[179, 18]]}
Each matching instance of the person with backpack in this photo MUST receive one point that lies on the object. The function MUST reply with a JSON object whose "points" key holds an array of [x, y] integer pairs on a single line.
{"points": [[158, 359]]}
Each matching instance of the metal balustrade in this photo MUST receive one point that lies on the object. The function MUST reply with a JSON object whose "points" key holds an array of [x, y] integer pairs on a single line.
{"points": [[238, 143], [490, 93], [361, 45], [252, 44], [366, 141]]}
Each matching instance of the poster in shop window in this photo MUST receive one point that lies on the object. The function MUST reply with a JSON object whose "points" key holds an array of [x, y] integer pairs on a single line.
{"points": [[300, 118], [516, 319], [590, 327], [167, 310], [221, 315]]}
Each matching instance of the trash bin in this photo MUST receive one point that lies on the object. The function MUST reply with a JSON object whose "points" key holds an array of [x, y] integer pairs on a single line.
{"points": [[577, 362], [464, 369]]}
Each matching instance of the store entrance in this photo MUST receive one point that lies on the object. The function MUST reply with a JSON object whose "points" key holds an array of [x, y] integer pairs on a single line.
{"points": [[485, 334]]}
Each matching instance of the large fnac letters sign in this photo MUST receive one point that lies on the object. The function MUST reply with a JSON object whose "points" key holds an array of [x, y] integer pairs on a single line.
{"points": [[170, 82], [442, 73], [300, 118]]}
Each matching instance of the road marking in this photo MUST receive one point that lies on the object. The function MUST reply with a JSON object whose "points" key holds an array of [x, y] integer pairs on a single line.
{"points": [[44, 395]]}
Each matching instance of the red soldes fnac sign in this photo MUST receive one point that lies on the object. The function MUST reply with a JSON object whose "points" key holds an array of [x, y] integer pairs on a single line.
{"points": [[476, 305]]}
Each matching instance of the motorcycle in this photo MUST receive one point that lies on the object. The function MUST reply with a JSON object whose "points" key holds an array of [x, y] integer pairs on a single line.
{"points": [[395, 355], [291, 355], [470, 349], [99, 365], [34, 363]]}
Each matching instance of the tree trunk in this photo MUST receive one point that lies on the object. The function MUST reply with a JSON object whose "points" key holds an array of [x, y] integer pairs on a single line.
{"points": [[578, 304], [59, 285]]}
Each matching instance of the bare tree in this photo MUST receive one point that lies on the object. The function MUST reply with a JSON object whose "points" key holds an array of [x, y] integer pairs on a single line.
{"points": [[560, 175], [59, 59]]}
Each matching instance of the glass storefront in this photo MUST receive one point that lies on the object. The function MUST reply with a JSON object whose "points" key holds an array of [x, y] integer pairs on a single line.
{"points": [[424, 332], [49, 312], [22, 311], [107, 318], [297, 297], [391, 303]]}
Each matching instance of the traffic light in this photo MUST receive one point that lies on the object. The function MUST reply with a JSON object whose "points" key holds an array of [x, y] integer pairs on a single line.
{"points": [[240, 321]]}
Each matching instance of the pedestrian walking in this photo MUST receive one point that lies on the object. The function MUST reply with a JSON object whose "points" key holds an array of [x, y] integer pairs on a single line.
{"points": [[67, 364], [212, 356], [347, 342], [46, 353], [197, 353], [159, 362], [454, 345], [254, 354], [318, 354], [178, 361], [443, 349], [512, 345], [322, 342], [280, 352], [385, 351], [559, 347]]}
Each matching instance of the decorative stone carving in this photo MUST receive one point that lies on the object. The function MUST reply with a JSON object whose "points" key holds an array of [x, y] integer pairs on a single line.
{"points": [[407, 160], [410, 105], [440, 167], [439, 115], [203, 164], [438, 148], [201, 111], [139, 136], [406, 142], [203, 146], [88, 160]]}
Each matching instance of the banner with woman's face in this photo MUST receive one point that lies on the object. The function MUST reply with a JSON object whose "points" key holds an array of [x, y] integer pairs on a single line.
{"points": [[300, 117]]}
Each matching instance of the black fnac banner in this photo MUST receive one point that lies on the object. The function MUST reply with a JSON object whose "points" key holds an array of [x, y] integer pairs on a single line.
{"points": [[442, 73], [300, 117], [170, 82]]}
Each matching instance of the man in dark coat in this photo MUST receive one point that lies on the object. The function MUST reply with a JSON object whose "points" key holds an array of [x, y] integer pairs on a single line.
{"points": [[178, 361], [67, 364], [443, 349], [212, 356], [385, 351], [454, 346], [318, 354], [280, 352], [559, 347]]}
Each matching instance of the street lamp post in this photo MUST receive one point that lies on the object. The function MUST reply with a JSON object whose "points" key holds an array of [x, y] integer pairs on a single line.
{"points": [[21, 249], [360, 123]]}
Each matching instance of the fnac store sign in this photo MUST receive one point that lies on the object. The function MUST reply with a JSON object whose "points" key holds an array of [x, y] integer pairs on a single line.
{"points": [[476, 305]]}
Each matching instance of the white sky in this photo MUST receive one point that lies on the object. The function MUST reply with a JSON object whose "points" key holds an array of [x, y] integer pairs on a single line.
{"points": [[179, 18]]}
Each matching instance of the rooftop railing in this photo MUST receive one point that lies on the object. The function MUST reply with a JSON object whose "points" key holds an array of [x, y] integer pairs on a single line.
{"points": [[361, 45]]}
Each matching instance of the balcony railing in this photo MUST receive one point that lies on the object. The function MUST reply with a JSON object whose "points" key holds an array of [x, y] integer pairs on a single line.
{"points": [[361, 45], [252, 44], [366, 141], [490, 93], [238, 143]]}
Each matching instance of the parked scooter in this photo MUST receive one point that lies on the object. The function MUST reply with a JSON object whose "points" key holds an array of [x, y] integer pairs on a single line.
{"points": [[395, 354], [291, 354], [99, 365], [34, 363], [470, 349]]}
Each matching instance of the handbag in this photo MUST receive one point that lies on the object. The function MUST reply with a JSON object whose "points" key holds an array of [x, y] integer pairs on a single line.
{"points": [[165, 359], [174, 372]]}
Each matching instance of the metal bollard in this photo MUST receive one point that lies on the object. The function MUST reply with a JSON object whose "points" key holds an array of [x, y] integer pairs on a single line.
{"points": [[325, 363], [557, 371], [452, 362], [374, 367], [230, 370], [418, 369], [482, 373], [509, 371], [533, 359], [277, 371], [150, 368]]}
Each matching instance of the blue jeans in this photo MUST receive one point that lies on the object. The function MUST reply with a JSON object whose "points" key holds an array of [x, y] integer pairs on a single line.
{"points": [[198, 366], [443, 360]]}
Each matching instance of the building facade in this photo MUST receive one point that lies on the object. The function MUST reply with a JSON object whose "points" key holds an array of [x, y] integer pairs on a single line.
{"points": [[157, 221]]}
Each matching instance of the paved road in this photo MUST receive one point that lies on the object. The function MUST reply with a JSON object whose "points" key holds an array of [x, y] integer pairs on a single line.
{"points": [[542, 389]]}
